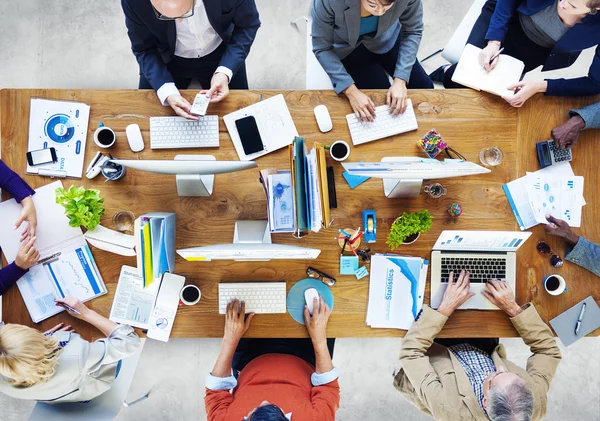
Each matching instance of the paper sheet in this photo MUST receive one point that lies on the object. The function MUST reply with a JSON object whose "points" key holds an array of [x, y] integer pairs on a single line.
{"points": [[133, 304], [560, 197], [167, 302]]}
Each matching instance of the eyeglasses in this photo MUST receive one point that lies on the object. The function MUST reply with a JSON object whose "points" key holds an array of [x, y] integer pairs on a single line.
{"points": [[555, 259], [323, 277], [189, 13]]}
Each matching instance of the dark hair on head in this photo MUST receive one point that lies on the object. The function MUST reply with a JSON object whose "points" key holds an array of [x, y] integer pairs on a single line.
{"points": [[593, 4], [388, 2], [268, 413]]}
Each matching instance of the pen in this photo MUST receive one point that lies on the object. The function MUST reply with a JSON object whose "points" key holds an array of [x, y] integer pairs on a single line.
{"points": [[344, 232], [344, 248], [68, 307], [580, 319], [496, 55]]}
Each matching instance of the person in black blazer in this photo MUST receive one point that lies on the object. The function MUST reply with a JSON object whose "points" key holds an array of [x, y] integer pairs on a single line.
{"points": [[175, 41]]}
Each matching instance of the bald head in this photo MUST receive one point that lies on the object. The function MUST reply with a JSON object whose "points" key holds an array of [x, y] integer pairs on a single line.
{"points": [[173, 8]]}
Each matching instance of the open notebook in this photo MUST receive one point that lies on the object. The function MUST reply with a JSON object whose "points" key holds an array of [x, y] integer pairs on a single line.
{"points": [[469, 73]]}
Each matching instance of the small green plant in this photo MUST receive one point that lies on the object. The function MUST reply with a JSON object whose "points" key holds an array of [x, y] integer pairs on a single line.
{"points": [[408, 224], [82, 207]]}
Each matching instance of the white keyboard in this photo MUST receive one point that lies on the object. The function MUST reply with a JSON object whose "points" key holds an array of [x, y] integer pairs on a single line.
{"points": [[178, 132], [260, 297], [385, 124]]}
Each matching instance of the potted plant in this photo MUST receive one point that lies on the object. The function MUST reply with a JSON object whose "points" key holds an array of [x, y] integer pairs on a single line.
{"points": [[82, 207], [407, 228]]}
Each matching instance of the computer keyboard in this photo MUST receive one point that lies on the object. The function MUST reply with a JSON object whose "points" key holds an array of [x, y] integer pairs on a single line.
{"points": [[481, 269], [260, 297], [384, 125], [178, 132]]}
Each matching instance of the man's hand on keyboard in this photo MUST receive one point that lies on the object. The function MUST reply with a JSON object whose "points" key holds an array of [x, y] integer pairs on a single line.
{"points": [[236, 324], [397, 97], [181, 106], [502, 296], [362, 105]]}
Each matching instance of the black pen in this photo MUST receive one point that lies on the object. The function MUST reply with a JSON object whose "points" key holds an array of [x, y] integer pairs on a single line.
{"points": [[580, 319], [68, 307], [496, 55]]}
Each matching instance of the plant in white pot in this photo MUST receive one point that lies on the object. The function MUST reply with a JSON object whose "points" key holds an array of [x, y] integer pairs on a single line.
{"points": [[407, 228]]}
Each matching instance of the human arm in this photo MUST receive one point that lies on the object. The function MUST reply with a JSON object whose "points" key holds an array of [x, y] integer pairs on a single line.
{"points": [[325, 394], [410, 39], [221, 379], [22, 192], [27, 256], [503, 13], [590, 116], [420, 336], [581, 86], [567, 134], [525, 89]]}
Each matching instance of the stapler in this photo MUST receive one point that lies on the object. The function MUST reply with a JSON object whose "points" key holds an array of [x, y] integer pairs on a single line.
{"points": [[96, 165]]}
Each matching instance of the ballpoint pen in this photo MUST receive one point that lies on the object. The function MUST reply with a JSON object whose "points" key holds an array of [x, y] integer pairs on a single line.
{"points": [[496, 55], [580, 319], [68, 307]]}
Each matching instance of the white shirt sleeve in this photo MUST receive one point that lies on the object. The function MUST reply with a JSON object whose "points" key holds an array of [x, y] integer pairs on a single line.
{"points": [[225, 71], [220, 383], [324, 378], [166, 90]]}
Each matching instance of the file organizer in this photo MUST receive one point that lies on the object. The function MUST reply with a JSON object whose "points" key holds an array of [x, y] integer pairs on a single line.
{"points": [[309, 188], [155, 242]]}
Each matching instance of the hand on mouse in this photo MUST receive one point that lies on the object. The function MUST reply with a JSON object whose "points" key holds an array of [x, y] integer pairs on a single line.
{"points": [[317, 323]]}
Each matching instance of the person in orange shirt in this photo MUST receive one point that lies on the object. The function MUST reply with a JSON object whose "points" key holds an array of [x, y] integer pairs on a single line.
{"points": [[273, 379]]}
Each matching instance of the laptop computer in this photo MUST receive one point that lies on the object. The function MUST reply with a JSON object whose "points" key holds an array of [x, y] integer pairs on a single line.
{"points": [[486, 254]]}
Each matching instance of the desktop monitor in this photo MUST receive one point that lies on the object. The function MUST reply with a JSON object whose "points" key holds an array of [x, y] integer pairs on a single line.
{"points": [[402, 176], [194, 174], [251, 242]]}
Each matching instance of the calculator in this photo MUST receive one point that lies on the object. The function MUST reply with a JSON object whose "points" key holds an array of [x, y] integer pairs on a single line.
{"points": [[549, 153]]}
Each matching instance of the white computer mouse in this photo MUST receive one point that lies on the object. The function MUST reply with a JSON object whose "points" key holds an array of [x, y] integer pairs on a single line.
{"points": [[134, 137], [323, 118], [309, 297]]}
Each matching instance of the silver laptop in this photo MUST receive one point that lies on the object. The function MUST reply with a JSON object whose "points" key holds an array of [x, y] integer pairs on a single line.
{"points": [[486, 254]]}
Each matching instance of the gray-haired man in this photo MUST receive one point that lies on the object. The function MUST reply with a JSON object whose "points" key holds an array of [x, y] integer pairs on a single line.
{"points": [[470, 379]]}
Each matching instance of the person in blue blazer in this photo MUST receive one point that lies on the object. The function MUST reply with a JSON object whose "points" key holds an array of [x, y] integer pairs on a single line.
{"points": [[360, 42], [567, 134], [175, 41], [551, 33]]}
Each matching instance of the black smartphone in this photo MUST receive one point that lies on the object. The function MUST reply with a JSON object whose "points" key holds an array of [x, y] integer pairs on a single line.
{"points": [[249, 135], [41, 156]]}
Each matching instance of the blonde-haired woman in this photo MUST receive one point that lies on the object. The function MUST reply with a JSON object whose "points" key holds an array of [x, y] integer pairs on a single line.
{"points": [[59, 365]]}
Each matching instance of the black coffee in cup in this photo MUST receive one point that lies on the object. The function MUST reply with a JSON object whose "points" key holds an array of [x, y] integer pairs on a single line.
{"points": [[339, 150], [106, 137], [190, 294], [552, 283]]}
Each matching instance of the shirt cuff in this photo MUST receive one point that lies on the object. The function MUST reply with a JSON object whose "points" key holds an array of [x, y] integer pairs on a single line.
{"points": [[166, 90], [324, 378], [225, 71], [220, 383]]}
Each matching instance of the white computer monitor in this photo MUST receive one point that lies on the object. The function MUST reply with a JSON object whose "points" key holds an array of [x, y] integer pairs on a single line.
{"points": [[251, 242], [194, 174], [403, 175]]}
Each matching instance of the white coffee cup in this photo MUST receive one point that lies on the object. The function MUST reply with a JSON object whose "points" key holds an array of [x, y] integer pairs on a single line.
{"points": [[334, 151], [104, 137], [562, 284], [190, 289]]}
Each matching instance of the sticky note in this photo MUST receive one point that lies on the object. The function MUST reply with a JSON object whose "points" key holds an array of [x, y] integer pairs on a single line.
{"points": [[348, 265], [361, 272], [354, 180]]}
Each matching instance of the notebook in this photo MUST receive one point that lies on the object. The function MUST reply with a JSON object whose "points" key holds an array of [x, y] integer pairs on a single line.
{"points": [[564, 324], [469, 73]]}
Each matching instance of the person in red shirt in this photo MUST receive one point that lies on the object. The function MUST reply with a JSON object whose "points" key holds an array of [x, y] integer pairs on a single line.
{"points": [[273, 379]]}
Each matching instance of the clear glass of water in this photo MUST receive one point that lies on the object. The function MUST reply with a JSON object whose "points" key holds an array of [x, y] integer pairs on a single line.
{"points": [[123, 220], [491, 156]]}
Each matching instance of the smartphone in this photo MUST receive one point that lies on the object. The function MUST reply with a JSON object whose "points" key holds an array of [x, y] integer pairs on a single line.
{"points": [[41, 156], [249, 135]]}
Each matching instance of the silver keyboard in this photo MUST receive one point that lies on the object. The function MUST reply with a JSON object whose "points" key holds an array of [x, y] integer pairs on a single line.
{"points": [[481, 269], [178, 132], [260, 297], [385, 124]]}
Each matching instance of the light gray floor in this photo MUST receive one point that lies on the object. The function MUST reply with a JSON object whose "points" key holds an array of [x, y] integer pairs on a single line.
{"points": [[83, 44]]}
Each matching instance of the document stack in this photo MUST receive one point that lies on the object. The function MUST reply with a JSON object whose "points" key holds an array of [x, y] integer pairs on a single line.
{"points": [[298, 200], [396, 290], [155, 242], [554, 190]]}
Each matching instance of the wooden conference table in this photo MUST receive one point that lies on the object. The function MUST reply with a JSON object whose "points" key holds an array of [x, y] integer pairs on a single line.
{"points": [[467, 120]]}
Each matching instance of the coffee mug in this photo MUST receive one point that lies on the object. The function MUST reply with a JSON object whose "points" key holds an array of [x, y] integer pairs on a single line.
{"points": [[104, 136], [555, 284], [339, 150], [190, 295]]}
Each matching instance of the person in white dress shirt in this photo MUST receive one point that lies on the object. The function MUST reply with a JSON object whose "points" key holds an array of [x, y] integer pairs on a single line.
{"points": [[175, 41]]}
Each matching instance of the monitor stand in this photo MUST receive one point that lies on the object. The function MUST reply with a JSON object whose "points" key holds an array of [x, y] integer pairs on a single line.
{"points": [[252, 232], [394, 188], [195, 185]]}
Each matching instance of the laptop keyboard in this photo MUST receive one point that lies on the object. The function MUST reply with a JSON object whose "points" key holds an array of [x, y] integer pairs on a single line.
{"points": [[482, 269]]}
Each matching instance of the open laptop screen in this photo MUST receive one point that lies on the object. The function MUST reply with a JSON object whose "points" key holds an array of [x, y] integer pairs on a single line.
{"points": [[481, 240]]}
